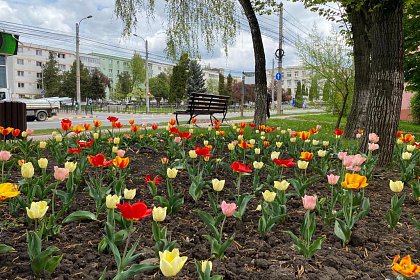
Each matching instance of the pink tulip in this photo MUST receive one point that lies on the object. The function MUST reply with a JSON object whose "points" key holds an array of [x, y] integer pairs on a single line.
{"points": [[373, 146], [120, 153], [177, 139], [318, 127], [348, 160], [5, 155], [341, 155], [354, 168], [228, 208], [358, 159], [333, 179], [29, 131], [72, 134], [309, 202], [373, 137], [358, 135], [60, 174], [235, 142]]}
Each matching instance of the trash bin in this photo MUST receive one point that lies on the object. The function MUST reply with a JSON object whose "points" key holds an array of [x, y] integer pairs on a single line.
{"points": [[13, 114]]}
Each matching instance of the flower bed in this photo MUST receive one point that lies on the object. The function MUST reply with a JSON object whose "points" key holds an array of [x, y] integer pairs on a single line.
{"points": [[256, 202]]}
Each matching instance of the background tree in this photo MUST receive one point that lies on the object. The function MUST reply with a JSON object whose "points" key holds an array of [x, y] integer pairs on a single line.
{"points": [[289, 92], [196, 82], [159, 87], [237, 93], [138, 70], [178, 85], [313, 90], [97, 86], [51, 76], [304, 91], [229, 86], [328, 57], [188, 22], [68, 86], [212, 86], [299, 96], [326, 91], [221, 88], [124, 85]]}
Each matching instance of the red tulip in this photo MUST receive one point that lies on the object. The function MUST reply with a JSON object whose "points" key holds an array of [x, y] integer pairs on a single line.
{"points": [[135, 128], [156, 179], [117, 124], [65, 124], [16, 132], [240, 167], [134, 212], [285, 162], [112, 119], [84, 144], [74, 150], [87, 126], [173, 129], [99, 161], [251, 125], [131, 122], [242, 125], [193, 120], [338, 132], [204, 152], [184, 135], [154, 126]]}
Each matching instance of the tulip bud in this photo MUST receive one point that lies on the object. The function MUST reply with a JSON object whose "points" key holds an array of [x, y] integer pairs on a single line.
{"points": [[231, 147], [43, 163], [315, 142], [159, 214], [258, 208], [96, 135], [399, 141], [42, 144], [240, 137], [191, 130], [209, 128], [269, 196], [281, 186], [205, 142], [27, 170], [217, 133], [410, 148], [70, 166], [262, 133], [164, 160], [257, 131], [114, 149], [24, 134], [293, 139], [322, 153], [279, 144], [325, 143], [252, 141], [204, 265], [192, 154], [129, 194], [111, 201], [262, 137], [309, 202], [116, 140], [257, 151]]}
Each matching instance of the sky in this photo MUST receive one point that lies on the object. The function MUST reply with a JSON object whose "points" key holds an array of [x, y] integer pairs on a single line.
{"points": [[58, 17]]}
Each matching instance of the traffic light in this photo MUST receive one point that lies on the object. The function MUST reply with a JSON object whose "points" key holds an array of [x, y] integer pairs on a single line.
{"points": [[8, 44]]}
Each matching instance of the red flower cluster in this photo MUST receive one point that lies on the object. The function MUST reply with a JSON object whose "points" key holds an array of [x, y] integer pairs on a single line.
{"points": [[284, 162], [112, 119], [184, 135]]}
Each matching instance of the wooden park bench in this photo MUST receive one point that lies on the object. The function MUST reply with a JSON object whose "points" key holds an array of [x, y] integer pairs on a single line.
{"points": [[205, 104]]}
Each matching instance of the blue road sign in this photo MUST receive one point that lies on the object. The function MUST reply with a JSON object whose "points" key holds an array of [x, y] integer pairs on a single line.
{"points": [[278, 76]]}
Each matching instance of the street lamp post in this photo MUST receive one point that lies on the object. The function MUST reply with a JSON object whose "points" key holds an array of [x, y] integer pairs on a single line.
{"points": [[147, 73], [78, 97]]}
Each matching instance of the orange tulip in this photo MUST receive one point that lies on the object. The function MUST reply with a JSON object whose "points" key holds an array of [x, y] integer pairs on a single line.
{"points": [[241, 132], [405, 267], [117, 124], [304, 135], [7, 131], [97, 123], [135, 128], [354, 181], [131, 122], [242, 125], [87, 126], [261, 127], [266, 143], [245, 145], [407, 138], [193, 120], [172, 121], [78, 129], [121, 162], [221, 133], [306, 156]]}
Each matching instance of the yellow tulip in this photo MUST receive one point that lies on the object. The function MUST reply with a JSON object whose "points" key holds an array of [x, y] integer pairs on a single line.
{"points": [[8, 190], [257, 151], [399, 141], [396, 186], [322, 153], [116, 140], [231, 147], [259, 208], [218, 184], [269, 196], [303, 164], [58, 138], [96, 135], [171, 173], [240, 137], [37, 210], [315, 142], [129, 194], [410, 148], [70, 166], [112, 200], [24, 134], [42, 144], [406, 156], [279, 144], [205, 264], [43, 163], [27, 170], [252, 141], [281, 186], [192, 154], [275, 155], [258, 165], [159, 214], [171, 263], [325, 143], [262, 137], [114, 149], [205, 142], [293, 139], [354, 181]]}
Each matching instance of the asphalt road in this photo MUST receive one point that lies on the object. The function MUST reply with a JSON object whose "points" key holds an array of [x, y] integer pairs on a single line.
{"points": [[55, 122]]}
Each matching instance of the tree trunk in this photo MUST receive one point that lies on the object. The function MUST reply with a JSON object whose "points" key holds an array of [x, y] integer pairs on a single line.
{"points": [[343, 108], [360, 22], [259, 55], [386, 77]]}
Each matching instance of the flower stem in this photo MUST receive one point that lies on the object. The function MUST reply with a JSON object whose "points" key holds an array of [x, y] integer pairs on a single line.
{"points": [[221, 229]]}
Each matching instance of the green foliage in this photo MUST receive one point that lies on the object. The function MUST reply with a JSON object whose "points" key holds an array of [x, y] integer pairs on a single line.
{"points": [[68, 86], [415, 107], [411, 23], [299, 96], [51, 76], [326, 91], [180, 74], [97, 85], [124, 85], [159, 87], [138, 70], [304, 90], [229, 85], [196, 82], [42, 261], [313, 90], [212, 86], [188, 22], [394, 212], [221, 88], [80, 215]]}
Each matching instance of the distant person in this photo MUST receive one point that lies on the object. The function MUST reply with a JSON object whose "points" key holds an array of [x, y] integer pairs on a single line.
{"points": [[269, 100]]}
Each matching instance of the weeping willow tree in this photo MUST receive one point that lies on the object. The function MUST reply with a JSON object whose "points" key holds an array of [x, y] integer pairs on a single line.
{"points": [[191, 23]]}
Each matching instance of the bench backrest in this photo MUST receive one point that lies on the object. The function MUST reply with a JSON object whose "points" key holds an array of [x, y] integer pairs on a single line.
{"points": [[207, 102]]}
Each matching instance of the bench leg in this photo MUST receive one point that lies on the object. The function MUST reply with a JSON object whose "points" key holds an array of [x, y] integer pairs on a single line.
{"points": [[176, 117], [224, 116]]}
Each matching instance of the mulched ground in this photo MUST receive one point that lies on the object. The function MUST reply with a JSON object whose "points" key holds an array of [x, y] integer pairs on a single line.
{"points": [[368, 256]]}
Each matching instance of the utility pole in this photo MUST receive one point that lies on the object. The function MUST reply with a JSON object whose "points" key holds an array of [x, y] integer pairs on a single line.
{"points": [[243, 94], [78, 96], [147, 79], [272, 86], [280, 58]]}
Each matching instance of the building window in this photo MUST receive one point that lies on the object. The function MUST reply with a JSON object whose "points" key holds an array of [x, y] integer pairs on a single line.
{"points": [[159, 68], [110, 71], [296, 73], [118, 72], [38, 52], [289, 75], [303, 73], [21, 85], [20, 61], [289, 83], [296, 82], [20, 73], [110, 61], [39, 75], [62, 67], [20, 50], [39, 63], [3, 81], [61, 55], [38, 86]]}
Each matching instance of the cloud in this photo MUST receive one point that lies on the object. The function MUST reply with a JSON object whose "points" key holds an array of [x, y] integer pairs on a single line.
{"points": [[61, 16]]}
